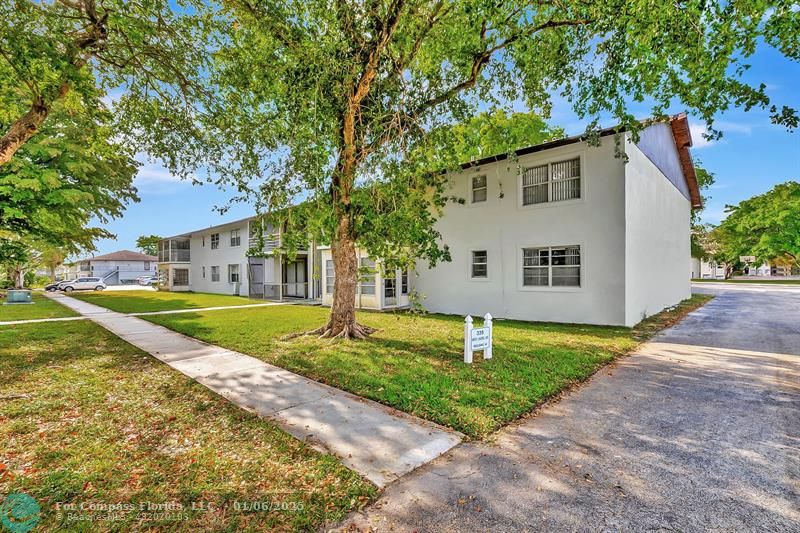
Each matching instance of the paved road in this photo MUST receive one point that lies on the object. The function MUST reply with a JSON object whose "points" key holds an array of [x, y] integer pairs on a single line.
{"points": [[699, 430]]}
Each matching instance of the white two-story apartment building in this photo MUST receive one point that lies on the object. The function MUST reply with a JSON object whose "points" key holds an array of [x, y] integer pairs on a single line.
{"points": [[230, 258], [561, 232], [569, 232]]}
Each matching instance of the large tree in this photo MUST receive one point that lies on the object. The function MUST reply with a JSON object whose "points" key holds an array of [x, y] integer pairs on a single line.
{"points": [[71, 172], [498, 132], [149, 51], [766, 226], [15, 256], [701, 242], [148, 244], [340, 102], [51, 258]]}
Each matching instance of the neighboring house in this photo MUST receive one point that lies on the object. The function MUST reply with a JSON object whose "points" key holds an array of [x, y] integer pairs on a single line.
{"points": [[116, 268], [562, 232], [767, 269], [705, 269]]}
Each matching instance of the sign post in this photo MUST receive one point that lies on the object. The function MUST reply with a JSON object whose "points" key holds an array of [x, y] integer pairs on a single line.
{"points": [[468, 340], [477, 338], [487, 324]]}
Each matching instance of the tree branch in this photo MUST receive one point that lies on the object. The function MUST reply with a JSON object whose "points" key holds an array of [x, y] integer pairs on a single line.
{"points": [[480, 60], [31, 85]]}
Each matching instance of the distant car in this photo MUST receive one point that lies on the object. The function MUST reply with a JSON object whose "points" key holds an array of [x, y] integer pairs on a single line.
{"points": [[60, 284], [52, 287], [148, 280], [83, 284]]}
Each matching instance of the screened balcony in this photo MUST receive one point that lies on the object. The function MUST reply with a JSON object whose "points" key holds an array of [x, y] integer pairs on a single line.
{"points": [[175, 250]]}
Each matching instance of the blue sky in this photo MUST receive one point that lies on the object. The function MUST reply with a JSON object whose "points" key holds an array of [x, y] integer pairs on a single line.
{"points": [[751, 158]]}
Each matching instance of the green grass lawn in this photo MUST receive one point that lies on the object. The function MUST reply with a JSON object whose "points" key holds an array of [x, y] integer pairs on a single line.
{"points": [[86, 417], [42, 308], [145, 301], [745, 280], [415, 363]]}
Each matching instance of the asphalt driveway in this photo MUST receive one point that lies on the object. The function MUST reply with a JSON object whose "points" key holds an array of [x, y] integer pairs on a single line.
{"points": [[698, 430]]}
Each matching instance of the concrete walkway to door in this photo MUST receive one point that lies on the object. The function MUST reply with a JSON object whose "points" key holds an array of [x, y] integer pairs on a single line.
{"points": [[380, 443]]}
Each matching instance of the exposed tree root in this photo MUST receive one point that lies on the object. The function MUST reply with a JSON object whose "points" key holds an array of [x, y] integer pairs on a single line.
{"points": [[349, 331]]}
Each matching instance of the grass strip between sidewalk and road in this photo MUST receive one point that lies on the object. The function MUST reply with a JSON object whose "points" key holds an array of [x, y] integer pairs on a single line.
{"points": [[415, 362]]}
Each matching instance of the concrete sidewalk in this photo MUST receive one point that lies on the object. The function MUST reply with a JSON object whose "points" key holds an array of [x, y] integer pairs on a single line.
{"points": [[380, 443]]}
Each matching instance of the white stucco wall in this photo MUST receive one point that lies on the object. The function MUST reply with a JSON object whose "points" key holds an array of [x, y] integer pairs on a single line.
{"points": [[657, 247], [658, 144], [700, 268], [202, 255], [128, 270], [502, 226]]}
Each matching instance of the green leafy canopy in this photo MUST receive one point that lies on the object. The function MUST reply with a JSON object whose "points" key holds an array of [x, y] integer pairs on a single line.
{"points": [[69, 174], [766, 226], [350, 105], [148, 244]]}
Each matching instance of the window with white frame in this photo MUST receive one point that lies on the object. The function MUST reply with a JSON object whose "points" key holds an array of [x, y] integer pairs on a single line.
{"points": [[180, 277], [479, 268], [214, 273], [233, 273], [553, 266], [330, 276], [214, 241], [479, 189], [552, 182], [236, 239], [404, 282], [367, 280]]}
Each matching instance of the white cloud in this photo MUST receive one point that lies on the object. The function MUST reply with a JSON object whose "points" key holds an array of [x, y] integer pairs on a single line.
{"points": [[733, 127], [726, 127], [153, 178], [698, 132], [155, 173]]}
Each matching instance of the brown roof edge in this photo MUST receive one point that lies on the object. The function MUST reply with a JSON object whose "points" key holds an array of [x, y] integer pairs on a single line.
{"points": [[683, 141]]}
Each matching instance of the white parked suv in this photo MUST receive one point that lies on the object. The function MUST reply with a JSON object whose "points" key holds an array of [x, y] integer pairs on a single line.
{"points": [[83, 284]]}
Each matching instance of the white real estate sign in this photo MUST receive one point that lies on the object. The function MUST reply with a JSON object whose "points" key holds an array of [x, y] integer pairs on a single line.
{"points": [[477, 338]]}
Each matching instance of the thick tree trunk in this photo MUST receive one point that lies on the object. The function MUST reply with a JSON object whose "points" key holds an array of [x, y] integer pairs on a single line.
{"points": [[345, 264], [342, 322], [16, 276], [22, 130]]}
